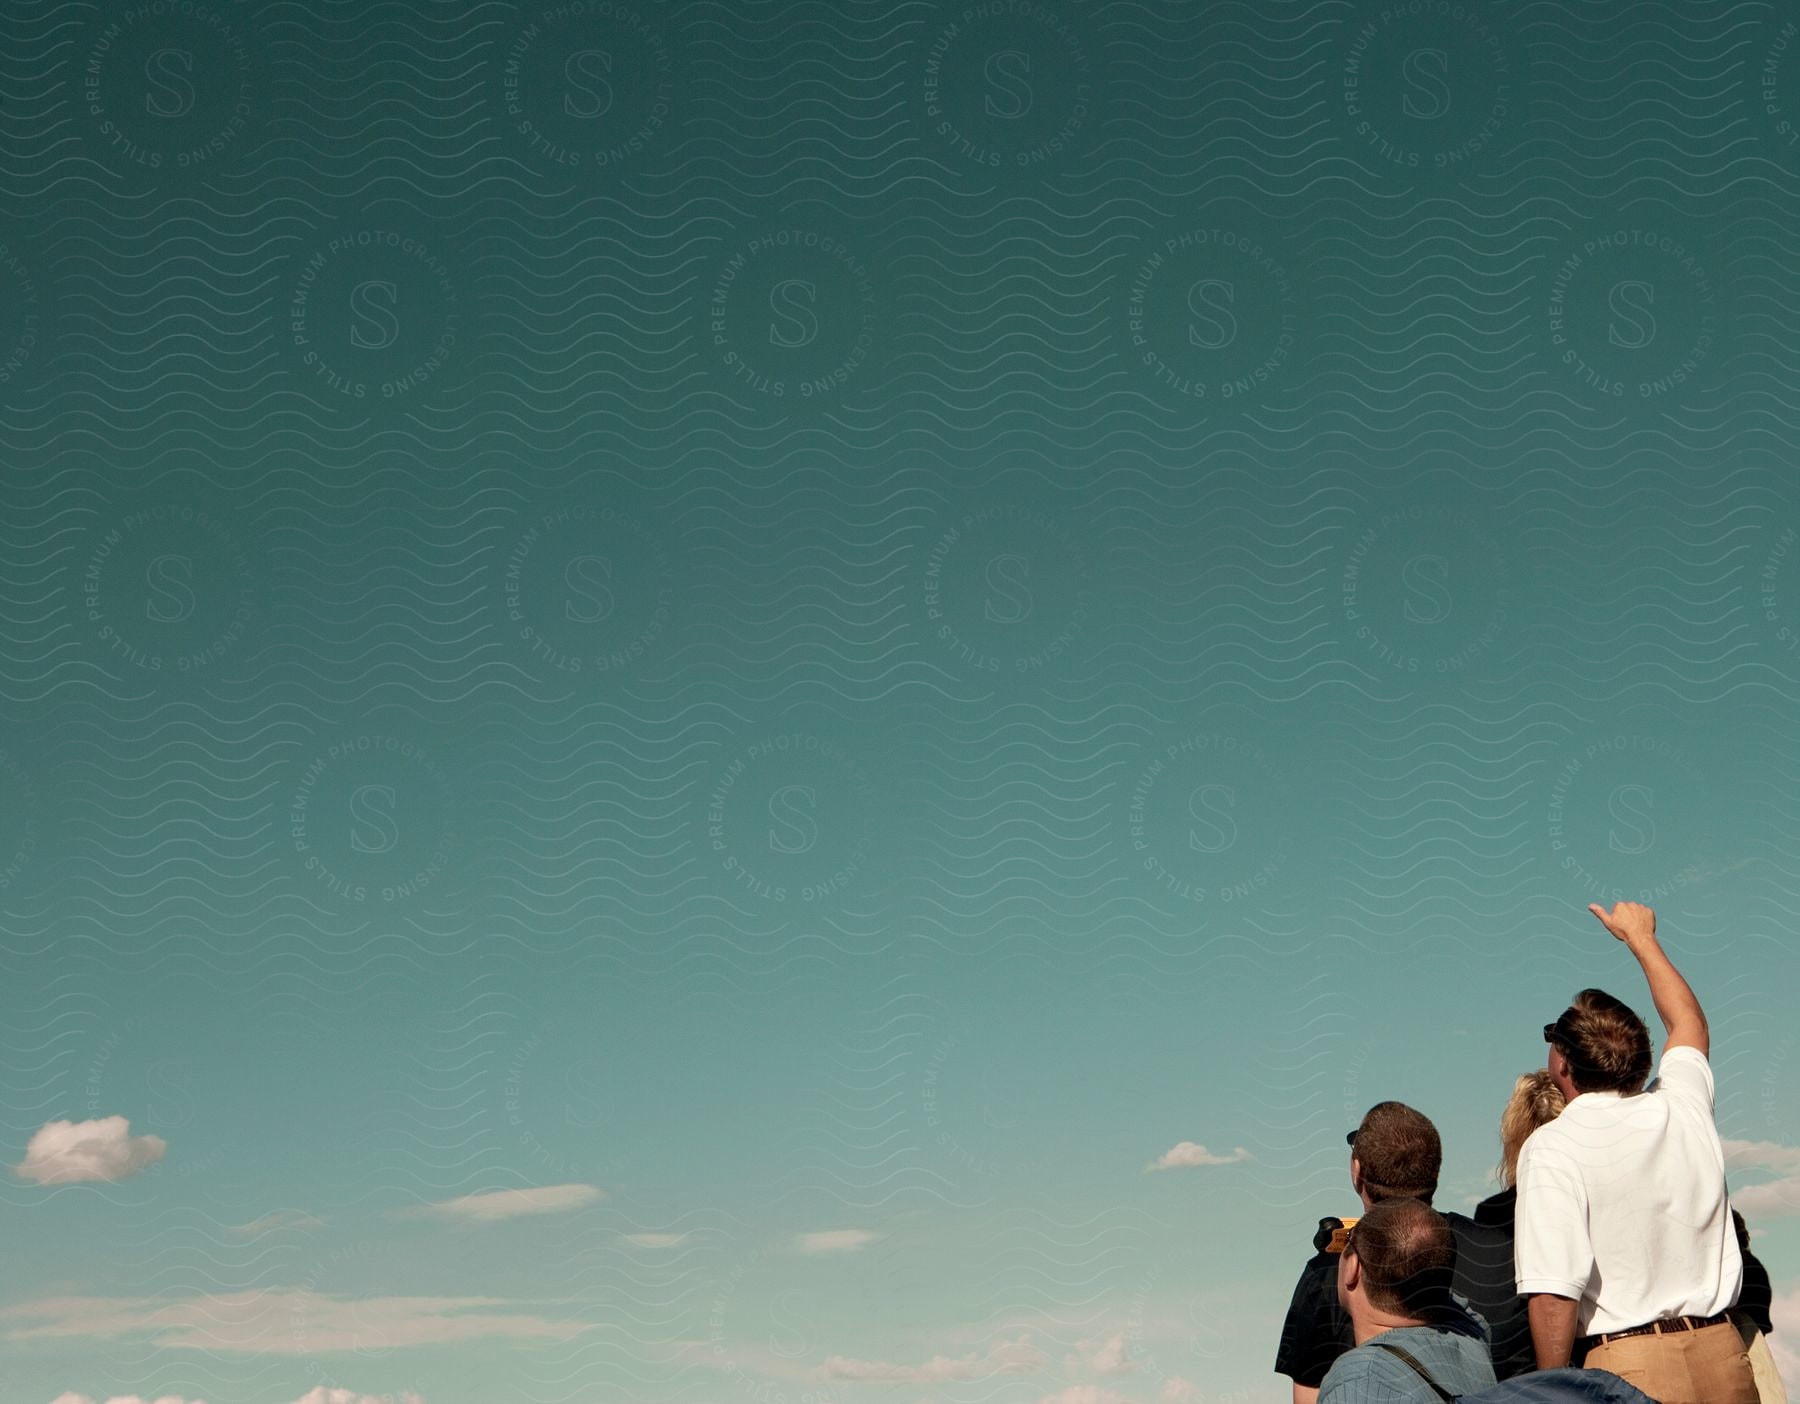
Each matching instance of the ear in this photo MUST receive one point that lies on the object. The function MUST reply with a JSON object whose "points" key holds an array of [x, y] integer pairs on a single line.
{"points": [[1355, 1174], [1557, 1065], [1349, 1275]]}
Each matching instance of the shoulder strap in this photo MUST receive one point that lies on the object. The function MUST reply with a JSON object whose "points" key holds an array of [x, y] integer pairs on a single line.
{"points": [[1424, 1374]]}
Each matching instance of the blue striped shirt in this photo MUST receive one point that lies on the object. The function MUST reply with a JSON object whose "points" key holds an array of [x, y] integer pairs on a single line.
{"points": [[1457, 1361]]}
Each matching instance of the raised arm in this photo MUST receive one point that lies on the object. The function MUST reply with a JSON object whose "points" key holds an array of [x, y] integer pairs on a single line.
{"points": [[1635, 925]]}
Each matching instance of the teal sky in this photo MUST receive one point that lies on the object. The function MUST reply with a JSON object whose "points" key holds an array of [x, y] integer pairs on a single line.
{"points": [[678, 681]]}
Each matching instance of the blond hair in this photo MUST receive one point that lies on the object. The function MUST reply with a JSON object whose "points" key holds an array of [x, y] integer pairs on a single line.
{"points": [[1535, 1102]]}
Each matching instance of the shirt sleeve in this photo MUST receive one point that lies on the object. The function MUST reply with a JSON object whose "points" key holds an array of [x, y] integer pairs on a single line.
{"points": [[1551, 1251], [1686, 1074], [1316, 1331]]}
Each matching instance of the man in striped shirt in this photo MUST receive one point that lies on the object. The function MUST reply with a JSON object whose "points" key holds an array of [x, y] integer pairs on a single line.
{"points": [[1394, 1282]]}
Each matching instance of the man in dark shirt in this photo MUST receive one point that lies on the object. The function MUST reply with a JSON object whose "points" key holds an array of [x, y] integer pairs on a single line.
{"points": [[1396, 1154]]}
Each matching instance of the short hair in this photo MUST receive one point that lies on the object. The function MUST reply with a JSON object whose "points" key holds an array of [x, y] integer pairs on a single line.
{"points": [[1400, 1153], [1407, 1255], [1607, 1045], [1536, 1101]]}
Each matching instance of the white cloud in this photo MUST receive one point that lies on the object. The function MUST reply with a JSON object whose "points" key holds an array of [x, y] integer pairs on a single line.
{"points": [[654, 1240], [1084, 1394], [1189, 1154], [279, 1322], [1176, 1390], [1762, 1155], [1111, 1358], [73, 1398], [280, 1219], [81, 1152], [1774, 1197], [1769, 1201], [1018, 1357], [320, 1395], [495, 1205], [1107, 1357], [834, 1241]]}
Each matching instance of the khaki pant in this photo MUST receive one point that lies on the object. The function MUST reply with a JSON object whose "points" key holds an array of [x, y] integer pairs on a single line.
{"points": [[1762, 1364], [1708, 1366]]}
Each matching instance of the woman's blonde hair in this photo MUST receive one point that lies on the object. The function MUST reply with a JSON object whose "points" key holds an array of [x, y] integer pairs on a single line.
{"points": [[1535, 1102]]}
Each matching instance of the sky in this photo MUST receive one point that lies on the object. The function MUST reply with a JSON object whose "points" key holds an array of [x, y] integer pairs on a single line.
{"points": [[793, 702]]}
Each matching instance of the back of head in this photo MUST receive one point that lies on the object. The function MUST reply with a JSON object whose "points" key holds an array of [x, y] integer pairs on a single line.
{"points": [[1607, 1045], [1536, 1100], [1406, 1254], [1400, 1153]]}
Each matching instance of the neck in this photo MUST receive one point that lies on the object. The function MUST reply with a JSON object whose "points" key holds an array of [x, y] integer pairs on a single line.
{"points": [[1367, 1324]]}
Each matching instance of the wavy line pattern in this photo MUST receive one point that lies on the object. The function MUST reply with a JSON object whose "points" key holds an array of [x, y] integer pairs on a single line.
{"points": [[679, 678]]}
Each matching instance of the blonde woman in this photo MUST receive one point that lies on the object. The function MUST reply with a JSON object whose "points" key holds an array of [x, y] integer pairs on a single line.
{"points": [[1535, 1102]]}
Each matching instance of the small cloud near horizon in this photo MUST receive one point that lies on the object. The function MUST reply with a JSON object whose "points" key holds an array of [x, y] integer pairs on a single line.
{"points": [[492, 1206], [1100, 1357], [1188, 1155], [102, 1151], [1085, 1394], [1017, 1357], [280, 1219], [271, 1322], [834, 1241], [72, 1398], [654, 1240]]}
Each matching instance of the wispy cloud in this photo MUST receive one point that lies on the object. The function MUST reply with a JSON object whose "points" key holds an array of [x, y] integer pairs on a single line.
{"points": [[1769, 1201], [86, 1152], [1100, 1357], [73, 1398], [1772, 1198], [1017, 1357], [280, 1219], [1762, 1155], [495, 1205], [279, 1322], [654, 1240], [321, 1395], [1176, 1390], [1187, 1155], [834, 1241], [1085, 1394]]}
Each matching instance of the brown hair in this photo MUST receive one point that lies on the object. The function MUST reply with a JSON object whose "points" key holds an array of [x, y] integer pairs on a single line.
{"points": [[1400, 1153], [1406, 1254], [1536, 1101], [1607, 1045]]}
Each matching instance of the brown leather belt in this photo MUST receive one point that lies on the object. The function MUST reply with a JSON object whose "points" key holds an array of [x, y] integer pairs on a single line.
{"points": [[1657, 1328]]}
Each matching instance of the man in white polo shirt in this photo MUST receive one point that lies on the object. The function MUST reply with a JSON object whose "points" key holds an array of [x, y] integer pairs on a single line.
{"points": [[1625, 1247]]}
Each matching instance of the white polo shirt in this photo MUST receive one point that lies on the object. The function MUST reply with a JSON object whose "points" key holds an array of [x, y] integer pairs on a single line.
{"points": [[1623, 1206]]}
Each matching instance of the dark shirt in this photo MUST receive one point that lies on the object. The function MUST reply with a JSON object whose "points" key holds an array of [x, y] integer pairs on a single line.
{"points": [[1317, 1330], [1484, 1260], [1757, 1295]]}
